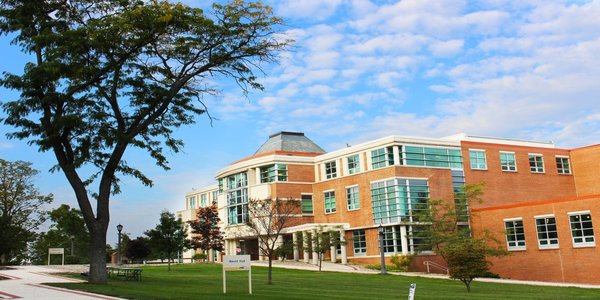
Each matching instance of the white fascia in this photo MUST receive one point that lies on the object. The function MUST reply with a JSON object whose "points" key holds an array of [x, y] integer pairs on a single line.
{"points": [[202, 190], [261, 161], [503, 141]]}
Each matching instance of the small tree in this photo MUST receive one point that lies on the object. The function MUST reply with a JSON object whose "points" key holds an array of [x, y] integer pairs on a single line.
{"points": [[205, 229], [169, 237], [322, 242], [268, 218], [466, 259], [138, 249]]}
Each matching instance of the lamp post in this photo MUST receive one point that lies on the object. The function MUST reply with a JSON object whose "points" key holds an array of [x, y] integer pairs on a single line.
{"points": [[119, 229], [381, 250]]}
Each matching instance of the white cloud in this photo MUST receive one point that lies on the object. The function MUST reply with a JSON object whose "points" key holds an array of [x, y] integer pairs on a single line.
{"points": [[313, 9]]}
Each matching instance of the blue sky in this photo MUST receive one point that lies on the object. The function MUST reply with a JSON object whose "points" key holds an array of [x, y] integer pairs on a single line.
{"points": [[361, 70]]}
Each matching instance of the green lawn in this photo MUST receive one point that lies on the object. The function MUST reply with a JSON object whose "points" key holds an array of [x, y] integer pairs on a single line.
{"points": [[205, 282]]}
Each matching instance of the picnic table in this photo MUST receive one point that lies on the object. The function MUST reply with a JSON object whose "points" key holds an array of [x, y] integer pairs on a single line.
{"points": [[134, 274]]}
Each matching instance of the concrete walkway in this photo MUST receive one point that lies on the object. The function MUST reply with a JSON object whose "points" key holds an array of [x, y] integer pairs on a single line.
{"points": [[332, 267], [25, 282]]}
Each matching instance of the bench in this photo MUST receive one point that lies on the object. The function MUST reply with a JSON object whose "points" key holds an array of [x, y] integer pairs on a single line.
{"points": [[130, 274]]}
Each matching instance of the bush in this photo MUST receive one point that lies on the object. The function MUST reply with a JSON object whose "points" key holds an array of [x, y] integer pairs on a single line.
{"points": [[489, 274], [75, 260], [388, 268], [199, 257], [402, 262]]}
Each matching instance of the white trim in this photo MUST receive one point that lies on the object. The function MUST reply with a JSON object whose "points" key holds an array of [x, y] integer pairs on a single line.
{"points": [[330, 190], [400, 177], [306, 194], [502, 141], [502, 151], [349, 186], [578, 213], [563, 156], [536, 154], [513, 219], [474, 149], [544, 216]]}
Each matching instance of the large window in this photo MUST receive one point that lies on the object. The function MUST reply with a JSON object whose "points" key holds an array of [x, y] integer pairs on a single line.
{"points": [[359, 241], [307, 204], [203, 201], [352, 198], [546, 230], [508, 162], [214, 197], [353, 164], [582, 230], [382, 157], [433, 157], [477, 159], [515, 235], [562, 165], [237, 198], [272, 173], [220, 190], [329, 201], [192, 202], [536, 163], [330, 170], [392, 239], [398, 199]]}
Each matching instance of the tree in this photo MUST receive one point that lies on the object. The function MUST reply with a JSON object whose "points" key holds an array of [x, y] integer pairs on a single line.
{"points": [[446, 234], [268, 218], [108, 75], [323, 240], [169, 237], [207, 235], [137, 249], [20, 209]]}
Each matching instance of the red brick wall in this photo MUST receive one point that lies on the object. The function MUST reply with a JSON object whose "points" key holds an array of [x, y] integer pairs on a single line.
{"points": [[586, 167], [566, 264], [503, 187]]}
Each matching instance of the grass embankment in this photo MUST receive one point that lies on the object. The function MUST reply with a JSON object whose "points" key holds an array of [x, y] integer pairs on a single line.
{"points": [[204, 281]]}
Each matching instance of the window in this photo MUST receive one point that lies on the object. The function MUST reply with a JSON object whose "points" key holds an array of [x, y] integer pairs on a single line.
{"points": [[192, 202], [392, 239], [237, 180], [307, 204], [477, 158], [353, 164], [382, 157], [508, 162], [329, 202], [536, 163], [220, 190], [272, 173], [419, 239], [237, 198], [214, 197], [398, 199], [515, 235], [582, 230], [330, 170], [359, 241], [562, 165], [352, 198], [433, 157], [203, 201], [546, 231]]}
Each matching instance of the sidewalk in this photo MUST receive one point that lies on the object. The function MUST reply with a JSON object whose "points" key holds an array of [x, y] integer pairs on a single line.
{"points": [[332, 267], [25, 282]]}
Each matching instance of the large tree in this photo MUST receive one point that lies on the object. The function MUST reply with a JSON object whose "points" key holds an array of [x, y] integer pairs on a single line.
{"points": [[21, 209], [108, 75], [169, 237], [205, 229]]}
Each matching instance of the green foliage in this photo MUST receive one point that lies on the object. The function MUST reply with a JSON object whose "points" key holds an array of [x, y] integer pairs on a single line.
{"points": [[322, 241], [402, 262], [169, 237], [393, 268], [284, 250], [20, 209], [108, 75], [137, 250], [199, 257]]}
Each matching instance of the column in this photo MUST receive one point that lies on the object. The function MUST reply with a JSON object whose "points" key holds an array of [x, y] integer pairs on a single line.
{"points": [[279, 243], [343, 244], [396, 153], [295, 243], [305, 243], [315, 255], [404, 240], [332, 248]]}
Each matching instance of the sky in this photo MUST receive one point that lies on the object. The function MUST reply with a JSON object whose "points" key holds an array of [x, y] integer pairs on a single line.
{"points": [[360, 70]]}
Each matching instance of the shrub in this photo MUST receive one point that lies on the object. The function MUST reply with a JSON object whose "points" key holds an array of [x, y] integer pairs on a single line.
{"points": [[199, 257], [402, 262]]}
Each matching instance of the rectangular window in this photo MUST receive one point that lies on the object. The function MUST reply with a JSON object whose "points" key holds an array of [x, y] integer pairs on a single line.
{"points": [[582, 230], [352, 198], [477, 159], [307, 204], [536, 163], [508, 162], [546, 231], [273, 173], [192, 202], [203, 201], [353, 164], [382, 157], [237, 180], [392, 240], [330, 170], [562, 165], [214, 197], [359, 241], [220, 190], [398, 200], [237, 198], [329, 202], [419, 239], [433, 157], [515, 235]]}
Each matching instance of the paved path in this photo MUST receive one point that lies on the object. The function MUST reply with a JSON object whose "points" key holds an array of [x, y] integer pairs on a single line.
{"points": [[25, 282], [331, 267]]}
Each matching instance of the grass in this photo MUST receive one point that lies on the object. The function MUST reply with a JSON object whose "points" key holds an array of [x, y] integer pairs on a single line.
{"points": [[204, 281]]}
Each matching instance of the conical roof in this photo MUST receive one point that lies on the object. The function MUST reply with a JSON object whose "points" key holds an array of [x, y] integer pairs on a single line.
{"points": [[289, 141]]}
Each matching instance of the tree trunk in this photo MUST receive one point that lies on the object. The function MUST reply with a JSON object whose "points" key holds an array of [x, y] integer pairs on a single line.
{"points": [[169, 262], [320, 256], [468, 284], [98, 257], [270, 271]]}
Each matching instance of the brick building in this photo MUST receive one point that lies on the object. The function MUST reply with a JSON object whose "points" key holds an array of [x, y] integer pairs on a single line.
{"points": [[542, 200]]}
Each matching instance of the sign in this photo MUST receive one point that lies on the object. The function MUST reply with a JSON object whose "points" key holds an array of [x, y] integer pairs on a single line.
{"points": [[237, 263], [59, 251], [411, 291]]}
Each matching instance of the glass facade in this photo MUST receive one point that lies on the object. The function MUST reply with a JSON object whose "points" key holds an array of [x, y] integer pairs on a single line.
{"points": [[398, 199], [272, 173], [382, 157], [433, 157], [237, 198]]}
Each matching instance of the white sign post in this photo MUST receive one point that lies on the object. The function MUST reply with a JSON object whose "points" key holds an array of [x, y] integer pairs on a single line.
{"points": [[411, 291], [58, 251], [237, 263]]}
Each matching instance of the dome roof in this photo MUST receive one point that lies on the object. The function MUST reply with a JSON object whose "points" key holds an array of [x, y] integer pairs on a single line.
{"points": [[289, 141]]}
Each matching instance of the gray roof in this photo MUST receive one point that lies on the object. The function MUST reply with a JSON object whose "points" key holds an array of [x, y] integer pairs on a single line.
{"points": [[289, 141]]}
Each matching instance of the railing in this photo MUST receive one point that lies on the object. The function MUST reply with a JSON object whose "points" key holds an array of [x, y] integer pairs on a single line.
{"points": [[429, 263]]}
